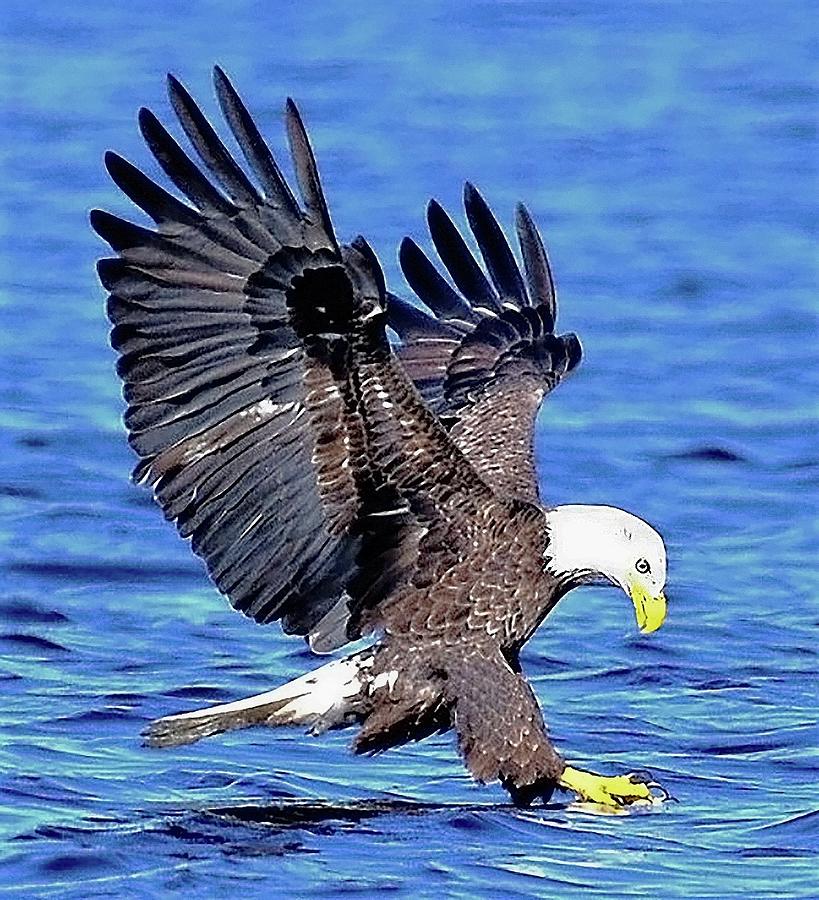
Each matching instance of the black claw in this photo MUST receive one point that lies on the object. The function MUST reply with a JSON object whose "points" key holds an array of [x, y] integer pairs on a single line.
{"points": [[641, 776], [665, 796]]}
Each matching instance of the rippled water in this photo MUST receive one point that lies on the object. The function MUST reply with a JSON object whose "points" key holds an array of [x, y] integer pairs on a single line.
{"points": [[668, 151]]}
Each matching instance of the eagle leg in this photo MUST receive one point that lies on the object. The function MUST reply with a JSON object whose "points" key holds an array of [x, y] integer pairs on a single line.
{"points": [[500, 727], [614, 792]]}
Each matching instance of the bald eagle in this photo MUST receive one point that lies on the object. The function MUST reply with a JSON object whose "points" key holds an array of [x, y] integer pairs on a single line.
{"points": [[348, 484]]}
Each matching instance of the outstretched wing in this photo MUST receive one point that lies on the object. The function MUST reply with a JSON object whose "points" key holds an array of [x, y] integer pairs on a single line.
{"points": [[253, 353], [486, 353]]}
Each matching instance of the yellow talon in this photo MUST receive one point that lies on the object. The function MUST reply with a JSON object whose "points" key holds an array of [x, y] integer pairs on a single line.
{"points": [[615, 791]]}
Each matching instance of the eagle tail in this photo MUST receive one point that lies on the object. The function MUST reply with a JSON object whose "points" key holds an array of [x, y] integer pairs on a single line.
{"points": [[328, 697]]}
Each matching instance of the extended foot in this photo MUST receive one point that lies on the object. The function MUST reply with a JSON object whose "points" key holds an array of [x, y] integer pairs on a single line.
{"points": [[615, 791]]}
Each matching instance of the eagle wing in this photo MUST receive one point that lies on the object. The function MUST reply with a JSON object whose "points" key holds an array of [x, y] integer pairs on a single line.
{"points": [[484, 354], [274, 441]]}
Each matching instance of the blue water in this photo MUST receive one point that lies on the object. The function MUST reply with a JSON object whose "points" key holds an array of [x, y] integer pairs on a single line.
{"points": [[668, 151]]}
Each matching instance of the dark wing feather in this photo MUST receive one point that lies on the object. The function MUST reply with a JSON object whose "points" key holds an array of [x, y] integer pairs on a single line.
{"points": [[257, 371], [210, 148], [431, 287], [234, 422], [306, 170], [181, 170], [494, 248], [536, 263], [485, 358], [253, 146], [458, 260]]}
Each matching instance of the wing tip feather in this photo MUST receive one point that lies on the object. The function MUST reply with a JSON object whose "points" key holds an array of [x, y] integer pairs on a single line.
{"points": [[522, 215], [147, 121], [292, 110]]}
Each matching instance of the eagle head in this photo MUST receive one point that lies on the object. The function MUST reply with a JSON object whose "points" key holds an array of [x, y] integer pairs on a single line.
{"points": [[594, 544]]}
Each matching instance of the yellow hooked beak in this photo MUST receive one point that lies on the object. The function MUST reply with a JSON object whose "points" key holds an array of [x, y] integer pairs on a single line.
{"points": [[650, 610]]}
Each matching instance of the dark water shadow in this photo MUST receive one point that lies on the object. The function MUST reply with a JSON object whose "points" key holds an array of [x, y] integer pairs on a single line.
{"points": [[281, 828], [708, 453], [290, 825], [286, 826], [303, 814]]}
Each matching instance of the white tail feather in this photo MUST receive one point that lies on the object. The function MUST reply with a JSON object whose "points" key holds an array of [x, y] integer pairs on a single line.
{"points": [[323, 698]]}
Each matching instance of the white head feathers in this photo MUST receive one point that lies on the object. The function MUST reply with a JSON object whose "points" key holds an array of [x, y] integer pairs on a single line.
{"points": [[601, 541]]}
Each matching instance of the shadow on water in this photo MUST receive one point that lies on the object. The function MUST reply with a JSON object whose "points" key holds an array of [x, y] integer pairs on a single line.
{"points": [[236, 823], [283, 828], [304, 814], [296, 813], [293, 827], [253, 828]]}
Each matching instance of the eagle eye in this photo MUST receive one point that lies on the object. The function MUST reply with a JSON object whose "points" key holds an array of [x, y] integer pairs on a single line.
{"points": [[642, 566]]}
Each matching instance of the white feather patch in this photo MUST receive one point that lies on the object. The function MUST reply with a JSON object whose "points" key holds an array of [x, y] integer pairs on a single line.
{"points": [[308, 699]]}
